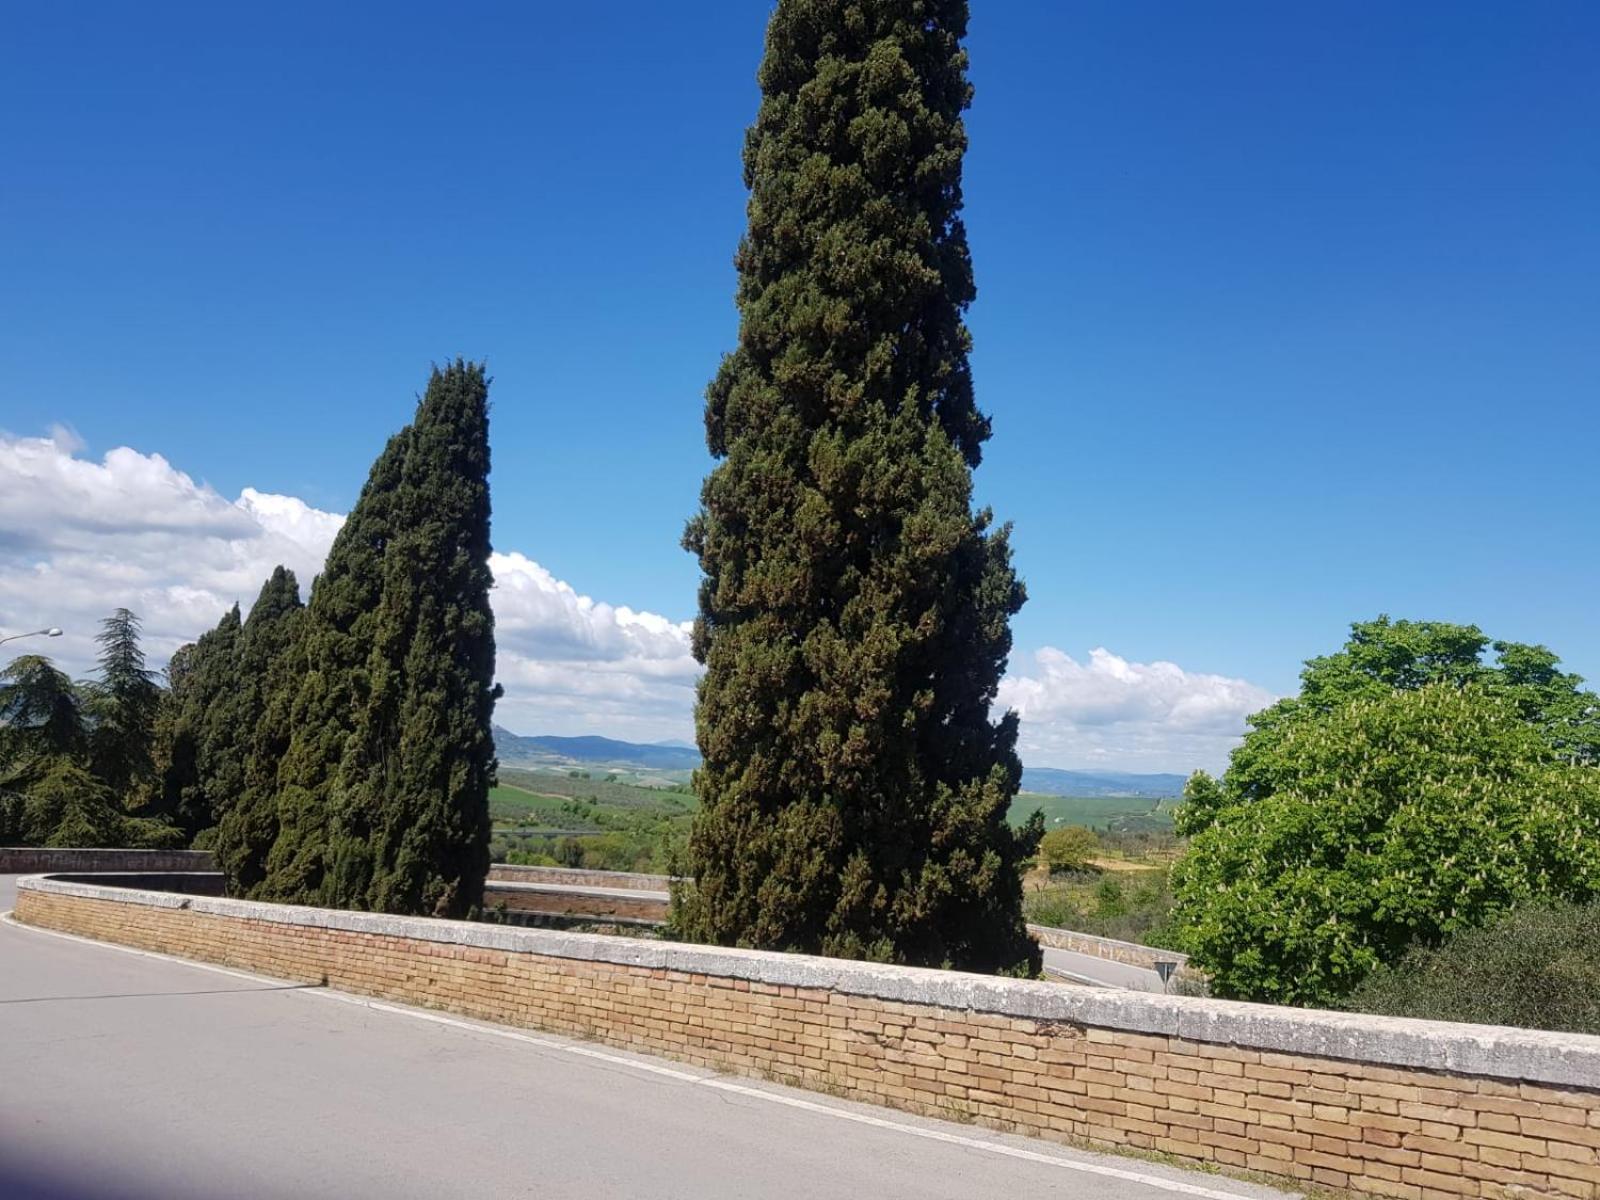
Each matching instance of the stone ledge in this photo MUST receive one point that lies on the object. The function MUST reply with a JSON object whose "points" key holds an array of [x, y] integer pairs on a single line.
{"points": [[1499, 1053], [15, 860], [577, 889]]}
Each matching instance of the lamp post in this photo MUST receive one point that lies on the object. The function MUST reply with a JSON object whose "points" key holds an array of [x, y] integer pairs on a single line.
{"points": [[51, 632]]}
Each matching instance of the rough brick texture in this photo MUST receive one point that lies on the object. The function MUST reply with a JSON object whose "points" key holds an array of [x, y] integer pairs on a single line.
{"points": [[1336, 1122]]}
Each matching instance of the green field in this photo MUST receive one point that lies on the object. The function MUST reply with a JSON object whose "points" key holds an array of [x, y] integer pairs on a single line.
{"points": [[595, 820], [574, 818], [1116, 814]]}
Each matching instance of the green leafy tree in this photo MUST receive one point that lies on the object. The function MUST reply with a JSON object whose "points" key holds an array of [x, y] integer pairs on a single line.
{"points": [[247, 824], [1397, 818], [1070, 848], [854, 612], [123, 704], [383, 789], [1380, 657]]}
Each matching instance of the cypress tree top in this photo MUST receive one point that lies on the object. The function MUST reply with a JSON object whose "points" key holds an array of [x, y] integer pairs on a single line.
{"points": [[382, 796], [854, 611]]}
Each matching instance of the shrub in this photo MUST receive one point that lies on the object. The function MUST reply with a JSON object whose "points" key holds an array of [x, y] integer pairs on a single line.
{"points": [[1409, 817], [1538, 968]]}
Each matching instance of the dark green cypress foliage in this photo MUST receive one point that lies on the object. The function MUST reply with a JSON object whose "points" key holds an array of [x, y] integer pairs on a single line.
{"points": [[854, 615], [324, 682], [383, 792], [258, 718], [194, 732]]}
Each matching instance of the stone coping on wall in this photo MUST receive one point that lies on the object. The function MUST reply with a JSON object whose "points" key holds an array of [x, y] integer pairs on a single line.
{"points": [[1520, 1055], [579, 877], [16, 860], [574, 889]]}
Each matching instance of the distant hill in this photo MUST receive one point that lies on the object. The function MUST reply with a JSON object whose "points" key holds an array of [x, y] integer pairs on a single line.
{"points": [[518, 751], [561, 752], [1055, 782]]}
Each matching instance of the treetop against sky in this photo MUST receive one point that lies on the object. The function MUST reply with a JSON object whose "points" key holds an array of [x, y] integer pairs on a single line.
{"points": [[1284, 319]]}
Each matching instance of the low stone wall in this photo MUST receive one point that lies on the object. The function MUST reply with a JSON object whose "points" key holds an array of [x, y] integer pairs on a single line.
{"points": [[1130, 953], [17, 860], [571, 900], [1392, 1107], [507, 873]]}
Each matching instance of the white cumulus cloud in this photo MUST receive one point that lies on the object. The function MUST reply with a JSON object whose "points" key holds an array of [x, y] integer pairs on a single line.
{"points": [[1115, 714], [80, 537]]}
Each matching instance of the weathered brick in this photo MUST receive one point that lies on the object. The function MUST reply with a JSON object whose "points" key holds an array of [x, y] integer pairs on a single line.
{"points": [[1375, 1129]]}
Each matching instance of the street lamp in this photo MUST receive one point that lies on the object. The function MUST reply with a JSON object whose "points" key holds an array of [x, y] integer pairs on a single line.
{"points": [[51, 632]]}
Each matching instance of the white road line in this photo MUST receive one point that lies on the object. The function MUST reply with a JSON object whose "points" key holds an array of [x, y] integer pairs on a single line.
{"points": [[717, 1082]]}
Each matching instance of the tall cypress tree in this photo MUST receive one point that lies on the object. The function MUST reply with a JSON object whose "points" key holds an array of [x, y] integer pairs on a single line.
{"points": [[324, 684], [383, 791], [194, 732], [257, 720], [854, 611]]}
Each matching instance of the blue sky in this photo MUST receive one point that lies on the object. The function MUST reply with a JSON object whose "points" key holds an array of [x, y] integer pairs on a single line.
{"points": [[1287, 314]]}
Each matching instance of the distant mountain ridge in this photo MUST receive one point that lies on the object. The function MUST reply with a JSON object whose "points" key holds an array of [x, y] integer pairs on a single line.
{"points": [[1053, 781], [515, 750]]}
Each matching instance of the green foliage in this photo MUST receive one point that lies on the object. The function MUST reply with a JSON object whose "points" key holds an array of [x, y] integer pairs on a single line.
{"points": [[58, 802], [1538, 967], [383, 788], [40, 713], [1132, 907], [1407, 815], [1069, 848], [196, 730], [49, 795], [854, 610], [1106, 815], [257, 721], [1383, 656], [600, 824], [122, 706]]}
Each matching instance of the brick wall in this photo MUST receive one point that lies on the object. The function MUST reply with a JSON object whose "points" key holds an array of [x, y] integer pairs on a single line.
{"points": [[1377, 1105]]}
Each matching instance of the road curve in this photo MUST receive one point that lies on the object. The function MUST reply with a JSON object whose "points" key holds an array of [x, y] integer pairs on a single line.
{"points": [[1103, 972], [140, 1078]]}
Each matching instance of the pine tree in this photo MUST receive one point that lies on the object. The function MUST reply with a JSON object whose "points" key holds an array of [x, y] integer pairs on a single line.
{"points": [[383, 792], [247, 822], [123, 706], [40, 715], [854, 614]]}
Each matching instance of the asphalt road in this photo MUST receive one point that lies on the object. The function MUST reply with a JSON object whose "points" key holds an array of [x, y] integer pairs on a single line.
{"points": [[1085, 968], [130, 1076]]}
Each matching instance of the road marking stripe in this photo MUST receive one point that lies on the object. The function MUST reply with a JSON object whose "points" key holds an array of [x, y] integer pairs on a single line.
{"points": [[717, 1082]]}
